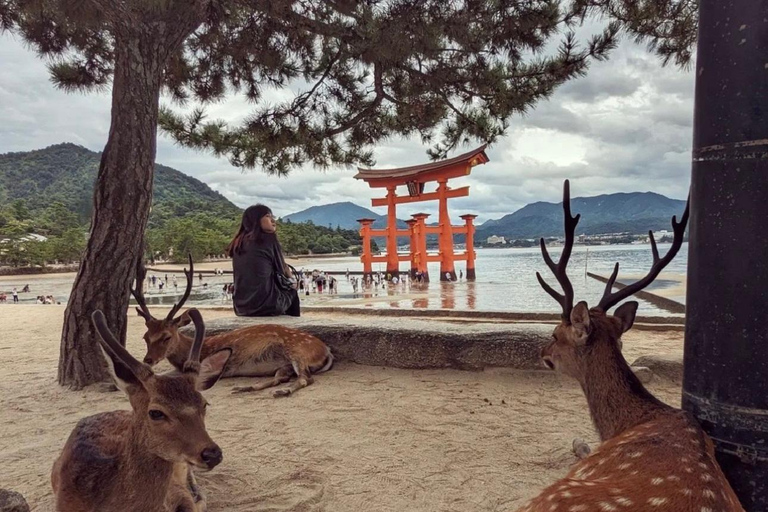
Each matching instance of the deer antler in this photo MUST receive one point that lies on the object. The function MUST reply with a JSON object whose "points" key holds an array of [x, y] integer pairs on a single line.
{"points": [[611, 299], [193, 361], [566, 299], [140, 370], [138, 292], [190, 276]]}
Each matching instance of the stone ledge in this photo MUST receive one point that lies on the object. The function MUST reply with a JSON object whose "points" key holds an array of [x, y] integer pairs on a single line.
{"points": [[669, 367], [414, 343]]}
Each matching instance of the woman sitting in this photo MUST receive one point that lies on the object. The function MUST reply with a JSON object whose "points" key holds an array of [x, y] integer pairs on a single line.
{"points": [[257, 259]]}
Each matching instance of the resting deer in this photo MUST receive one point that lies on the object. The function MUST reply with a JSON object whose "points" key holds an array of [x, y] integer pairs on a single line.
{"points": [[140, 459], [653, 457], [265, 350]]}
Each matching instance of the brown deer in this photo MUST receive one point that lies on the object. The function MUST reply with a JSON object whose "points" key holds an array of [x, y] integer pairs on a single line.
{"points": [[653, 457], [140, 459], [266, 350]]}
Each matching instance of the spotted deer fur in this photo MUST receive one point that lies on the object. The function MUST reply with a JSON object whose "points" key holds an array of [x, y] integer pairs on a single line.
{"points": [[653, 457], [266, 350]]}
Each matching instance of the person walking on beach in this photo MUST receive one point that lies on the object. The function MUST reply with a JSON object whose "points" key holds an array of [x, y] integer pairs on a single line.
{"points": [[15, 295], [461, 274]]}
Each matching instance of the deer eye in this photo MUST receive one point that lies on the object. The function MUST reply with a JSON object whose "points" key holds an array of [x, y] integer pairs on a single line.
{"points": [[157, 415]]}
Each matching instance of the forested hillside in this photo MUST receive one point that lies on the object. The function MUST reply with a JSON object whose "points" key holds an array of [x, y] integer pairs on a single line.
{"points": [[49, 192]]}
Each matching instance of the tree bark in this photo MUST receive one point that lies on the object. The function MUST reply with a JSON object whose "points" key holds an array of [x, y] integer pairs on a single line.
{"points": [[122, 199]]}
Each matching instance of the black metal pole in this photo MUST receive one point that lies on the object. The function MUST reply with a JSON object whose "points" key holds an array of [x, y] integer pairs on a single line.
{"points": [[726, 338]]}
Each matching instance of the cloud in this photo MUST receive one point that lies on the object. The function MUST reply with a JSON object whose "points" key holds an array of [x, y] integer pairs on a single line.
{"points": [[624, 127]]}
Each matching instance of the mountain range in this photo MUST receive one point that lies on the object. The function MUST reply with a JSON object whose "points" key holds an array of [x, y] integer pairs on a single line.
{"points": [[66, 172], [634, 212], [343, 215]]}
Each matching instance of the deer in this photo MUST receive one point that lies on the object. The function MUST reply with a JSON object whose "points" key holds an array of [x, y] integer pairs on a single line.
{"points": [[124, 461], [266, 350], [652, 457]]}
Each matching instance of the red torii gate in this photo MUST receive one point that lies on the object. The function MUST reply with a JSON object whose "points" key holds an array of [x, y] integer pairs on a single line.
{"points": [[415, 178]]}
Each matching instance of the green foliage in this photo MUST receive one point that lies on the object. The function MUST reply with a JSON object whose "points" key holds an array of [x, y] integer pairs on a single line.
{"points": [[46, 192], [448, 72], [53, 187], [49, 193], [303, 238]]}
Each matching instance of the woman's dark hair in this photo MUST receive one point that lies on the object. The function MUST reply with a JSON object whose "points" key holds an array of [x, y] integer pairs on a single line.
{"points": [[250, 228]]}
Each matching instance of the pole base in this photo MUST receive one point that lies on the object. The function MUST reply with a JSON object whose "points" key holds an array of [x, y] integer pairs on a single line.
{"points": [[470, 274]]}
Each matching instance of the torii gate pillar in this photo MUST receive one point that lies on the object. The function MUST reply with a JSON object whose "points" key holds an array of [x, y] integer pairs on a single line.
{"points": [[469, 221], [366, 256]]}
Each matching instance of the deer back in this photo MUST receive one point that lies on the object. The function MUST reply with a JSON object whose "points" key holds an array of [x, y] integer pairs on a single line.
{"points": [[260, 350], [665, 464]]}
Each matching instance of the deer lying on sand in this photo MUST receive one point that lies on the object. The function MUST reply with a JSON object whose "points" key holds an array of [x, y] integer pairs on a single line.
{"points": [[653, 457], [140, 460], [265, 350]]}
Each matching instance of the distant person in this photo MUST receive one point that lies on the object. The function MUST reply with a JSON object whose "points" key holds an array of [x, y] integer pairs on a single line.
{"points": [[200, 276], [25, 289], [261, 286], [461, 274], [15, 295], [166, 278], [161, 285], [447, 276]]}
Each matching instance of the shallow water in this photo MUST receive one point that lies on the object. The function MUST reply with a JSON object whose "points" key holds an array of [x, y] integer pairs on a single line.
{"points": [[506, 281]]}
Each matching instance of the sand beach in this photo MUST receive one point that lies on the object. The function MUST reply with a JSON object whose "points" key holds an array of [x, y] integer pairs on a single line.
{"points": [[361, 437]]}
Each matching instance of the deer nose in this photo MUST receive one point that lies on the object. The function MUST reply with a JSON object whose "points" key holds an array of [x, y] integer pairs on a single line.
{"points": [[212, 456], [148, 360]]}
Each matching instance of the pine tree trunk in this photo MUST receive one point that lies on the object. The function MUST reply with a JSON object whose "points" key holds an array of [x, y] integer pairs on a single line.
{"points": [[122, 199]]}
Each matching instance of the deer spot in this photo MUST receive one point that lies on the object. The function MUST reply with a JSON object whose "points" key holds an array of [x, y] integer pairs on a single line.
{"points": [[624, 502]]}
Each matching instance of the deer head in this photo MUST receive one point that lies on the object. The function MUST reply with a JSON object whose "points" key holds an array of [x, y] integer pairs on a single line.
{"points": [[168, 410], [161, 333], [583, 331]]}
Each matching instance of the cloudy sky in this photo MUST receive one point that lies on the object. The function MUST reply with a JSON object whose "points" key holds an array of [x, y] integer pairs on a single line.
{"points": [[625, 127]]}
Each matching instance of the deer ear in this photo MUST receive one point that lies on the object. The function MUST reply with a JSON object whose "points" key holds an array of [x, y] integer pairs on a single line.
{"points": [[580, 322], [123, 377], [626, 313], [183, 320], [211, 369]]}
